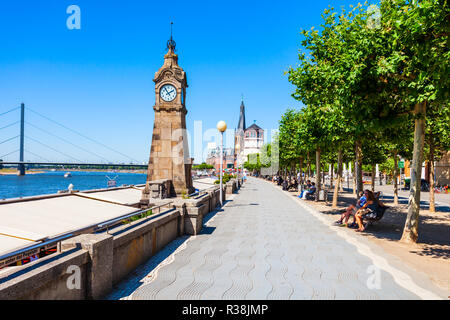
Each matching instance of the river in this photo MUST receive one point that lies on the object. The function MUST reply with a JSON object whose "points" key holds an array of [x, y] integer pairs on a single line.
{"points": [[13, 186]]}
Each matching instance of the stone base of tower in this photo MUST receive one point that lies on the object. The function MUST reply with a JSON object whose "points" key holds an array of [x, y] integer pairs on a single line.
{"points": [[179, 176], [156, 190], [169, 155]]}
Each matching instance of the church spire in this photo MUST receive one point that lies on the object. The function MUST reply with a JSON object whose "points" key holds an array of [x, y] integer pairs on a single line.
{"points": [[241, 124]]}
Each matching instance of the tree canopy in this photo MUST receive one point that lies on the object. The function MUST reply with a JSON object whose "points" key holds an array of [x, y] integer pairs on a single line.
{"points": [[374, 82]]}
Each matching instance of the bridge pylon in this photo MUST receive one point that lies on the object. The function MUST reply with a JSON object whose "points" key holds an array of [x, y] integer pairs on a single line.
{"points": [[21, 166]]}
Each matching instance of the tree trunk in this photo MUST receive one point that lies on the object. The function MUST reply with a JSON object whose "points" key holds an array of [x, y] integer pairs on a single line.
{"points": [[373, 178], [358, 164], [395, 179], [338, 180], [332, 175], [411, 230], [380, 174], [432, 205], [308, 166], [317, 174], [354, 178], [349, 171], [300, 181]]}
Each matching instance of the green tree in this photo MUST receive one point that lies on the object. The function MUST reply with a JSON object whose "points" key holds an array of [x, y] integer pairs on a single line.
{"points": [[203, 166], [289, 144], [381, 68], [253, 164], [418, 66]]}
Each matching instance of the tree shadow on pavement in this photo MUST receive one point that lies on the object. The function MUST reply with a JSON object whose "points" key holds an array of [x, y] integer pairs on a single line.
{"points": [[434, 228], [424, 205], [244, 205], [434, 231]]}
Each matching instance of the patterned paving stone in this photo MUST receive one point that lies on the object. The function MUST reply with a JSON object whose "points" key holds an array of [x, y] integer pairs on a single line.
{"points": [[276, 249]]}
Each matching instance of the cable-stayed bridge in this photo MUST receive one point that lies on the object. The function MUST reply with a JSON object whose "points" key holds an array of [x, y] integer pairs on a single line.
{"points": [[74, 161]]}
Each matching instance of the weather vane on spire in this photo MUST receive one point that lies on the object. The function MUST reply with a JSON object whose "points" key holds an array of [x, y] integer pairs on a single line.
{"points": [[171, 44]]}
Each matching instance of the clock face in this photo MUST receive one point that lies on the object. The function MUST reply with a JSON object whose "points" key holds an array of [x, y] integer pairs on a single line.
{"points": [[168, 92]]}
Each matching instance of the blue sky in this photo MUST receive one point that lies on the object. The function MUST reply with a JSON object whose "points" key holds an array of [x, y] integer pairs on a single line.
{"points": [[98, 80]]}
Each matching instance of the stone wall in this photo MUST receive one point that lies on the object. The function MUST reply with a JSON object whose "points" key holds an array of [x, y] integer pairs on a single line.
{"points": [[194, 210], [103, 259], [214, 198], [136, 243], [47, 278], [231, 186]]}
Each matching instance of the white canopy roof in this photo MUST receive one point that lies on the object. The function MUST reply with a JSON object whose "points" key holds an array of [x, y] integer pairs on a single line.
{"points": [[8, 243], [26, 222], [128, 197]]}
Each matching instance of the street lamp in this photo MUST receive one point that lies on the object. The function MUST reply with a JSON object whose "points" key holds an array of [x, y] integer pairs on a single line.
{"points": [[221, 126]]}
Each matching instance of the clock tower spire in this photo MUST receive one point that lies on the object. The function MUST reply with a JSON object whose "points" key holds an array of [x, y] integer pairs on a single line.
{"points": [[169, 155], [171, 44]]}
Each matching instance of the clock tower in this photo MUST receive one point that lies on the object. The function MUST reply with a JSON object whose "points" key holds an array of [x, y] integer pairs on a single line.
{"points": [[169, 155]]}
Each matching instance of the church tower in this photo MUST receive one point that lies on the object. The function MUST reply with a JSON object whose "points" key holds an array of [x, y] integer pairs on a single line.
{"points": [[169, 155], [239, 138]]}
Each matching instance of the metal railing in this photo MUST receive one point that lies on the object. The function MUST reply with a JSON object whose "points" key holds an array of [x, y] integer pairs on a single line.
{"points": [[203, 191], [29, 250], [112, 222]]}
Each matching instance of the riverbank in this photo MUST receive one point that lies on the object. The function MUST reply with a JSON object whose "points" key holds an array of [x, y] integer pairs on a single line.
{"points": [[14, 172], [102, 170], [7, 172]]}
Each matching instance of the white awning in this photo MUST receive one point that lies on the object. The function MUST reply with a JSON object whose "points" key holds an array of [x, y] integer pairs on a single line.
{"points": [[43, 218], [129, 196], [204, 183], [8, 243]]}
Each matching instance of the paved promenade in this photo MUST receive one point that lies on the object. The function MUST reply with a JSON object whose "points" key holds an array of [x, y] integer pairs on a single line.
{"points": [[265, 244]]}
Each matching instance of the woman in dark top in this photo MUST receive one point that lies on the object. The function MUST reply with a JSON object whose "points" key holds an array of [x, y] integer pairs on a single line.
{"points": [[369, 210]]}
